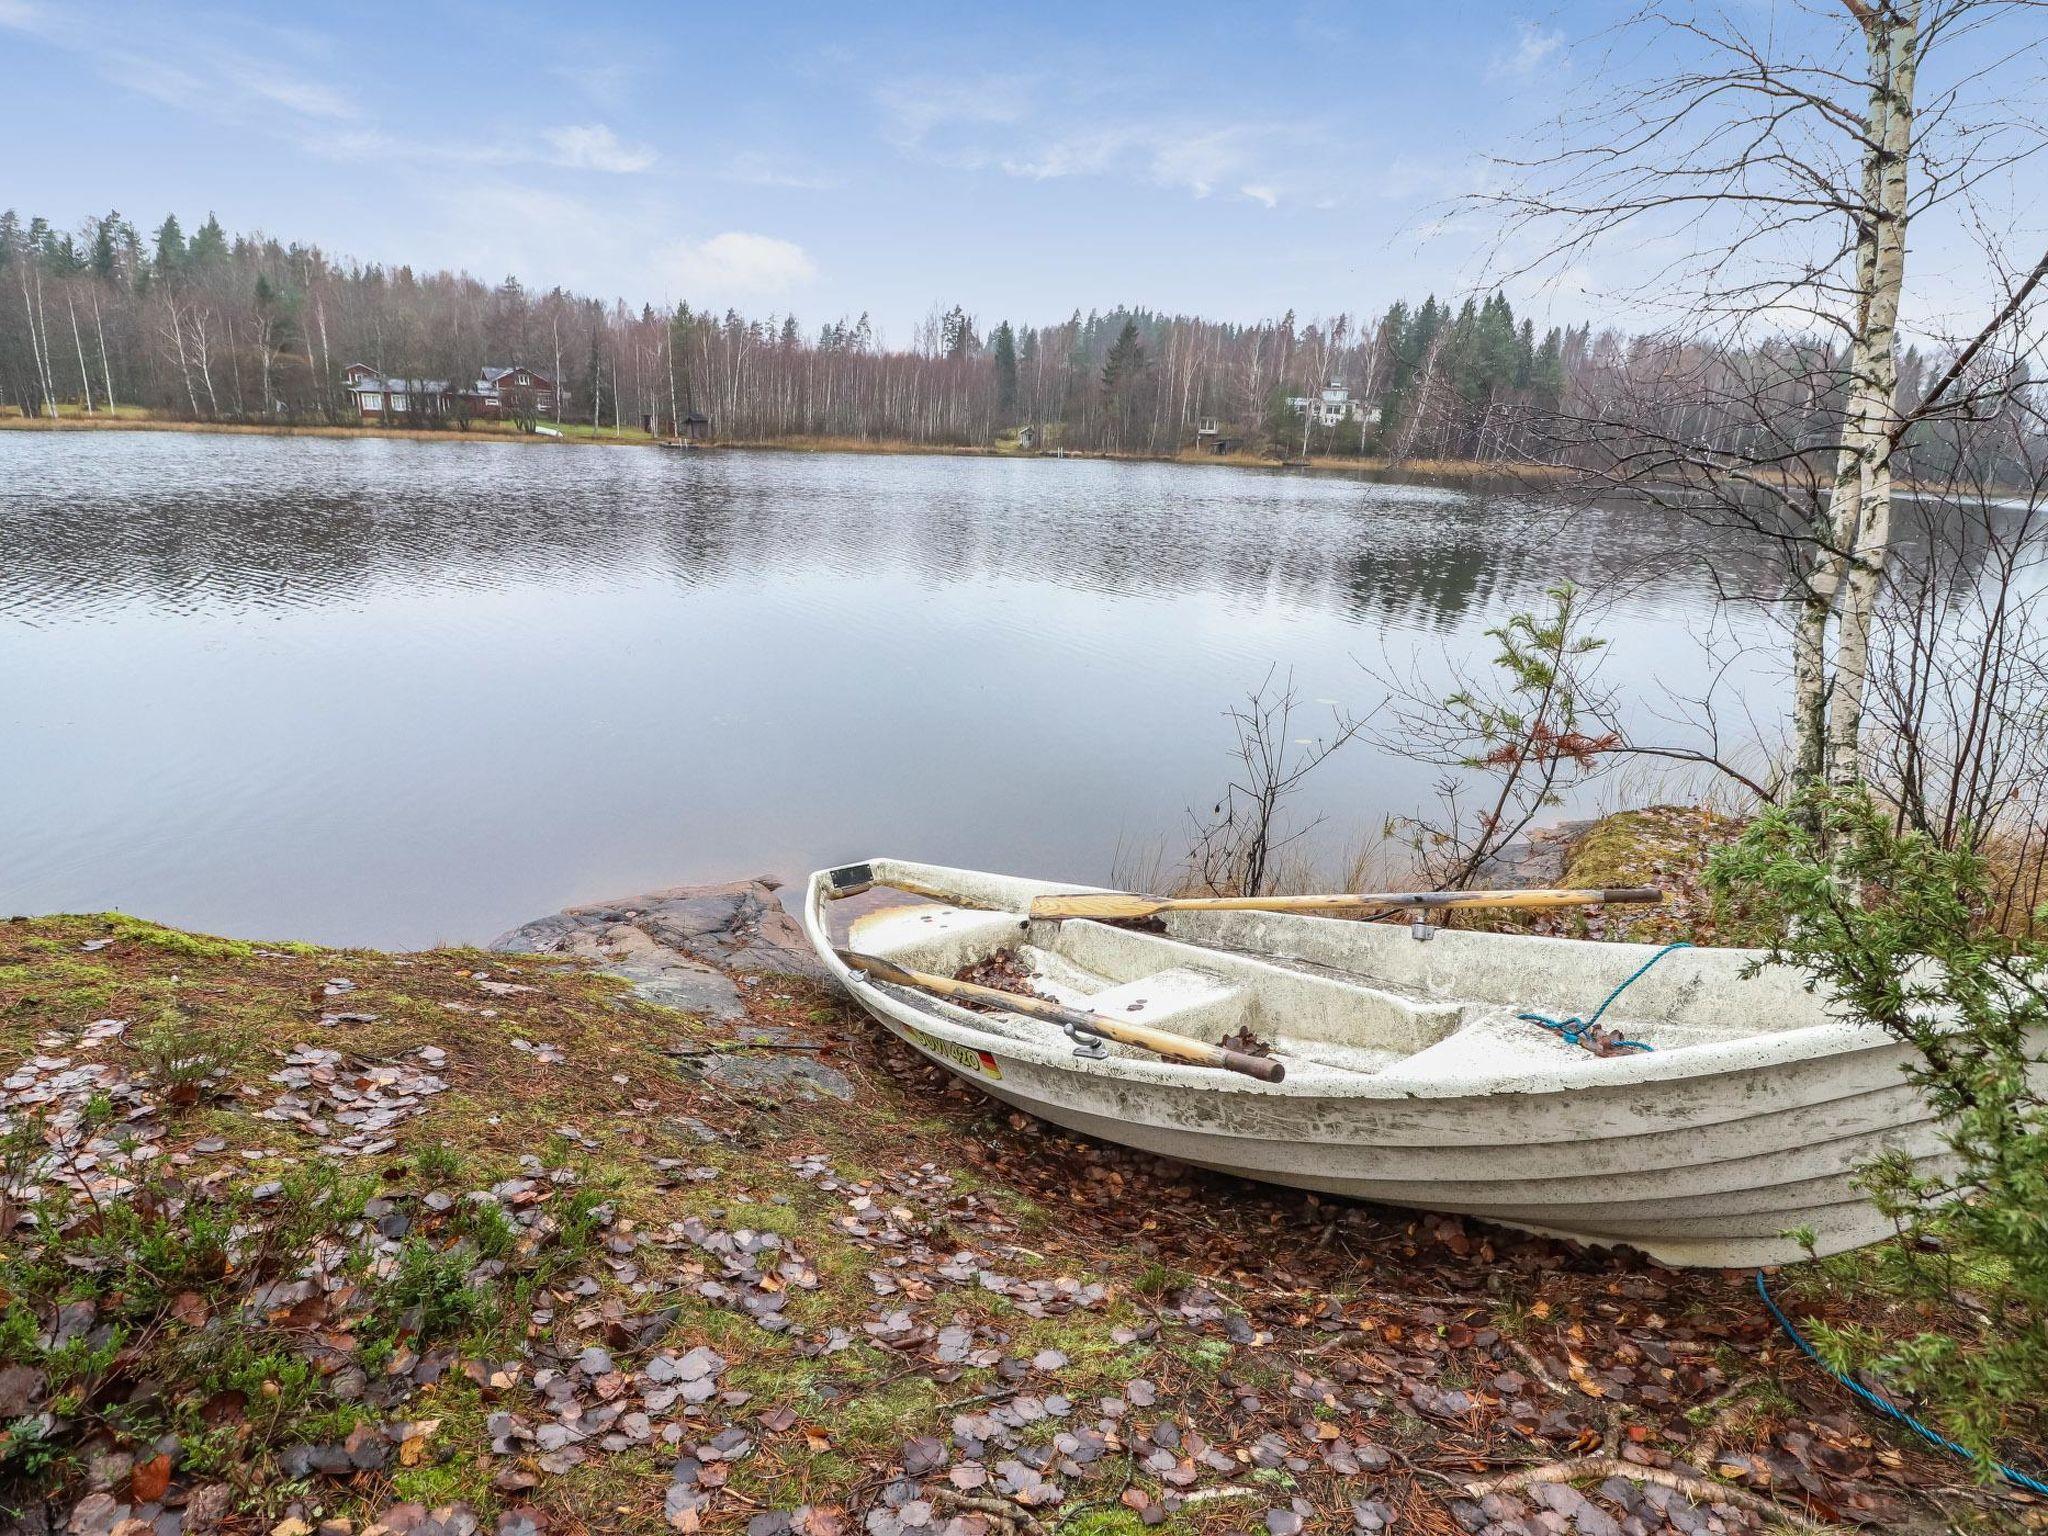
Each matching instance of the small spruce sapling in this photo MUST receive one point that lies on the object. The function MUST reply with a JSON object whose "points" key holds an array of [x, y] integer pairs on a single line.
{"points": [[1894, 928]]}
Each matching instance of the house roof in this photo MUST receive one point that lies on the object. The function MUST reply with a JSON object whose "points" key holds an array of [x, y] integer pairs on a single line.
{"points": [[487, 383], [403, 386]]}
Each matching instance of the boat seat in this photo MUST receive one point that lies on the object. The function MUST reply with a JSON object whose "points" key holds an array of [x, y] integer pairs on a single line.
{"points": [[935, 938], [1493, 1041], [1187, 1001]]}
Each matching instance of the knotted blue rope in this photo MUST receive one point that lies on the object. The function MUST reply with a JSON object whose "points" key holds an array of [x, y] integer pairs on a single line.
{"points": [[1573, 1029], [1932, 1437]]}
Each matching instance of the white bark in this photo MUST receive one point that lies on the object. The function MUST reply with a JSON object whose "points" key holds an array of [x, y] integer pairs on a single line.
{"points": [[175, 329], [326, 359], [1894, 37], [201, 354], [106, 368], [78, 341], [39, 319], [35, 346]]}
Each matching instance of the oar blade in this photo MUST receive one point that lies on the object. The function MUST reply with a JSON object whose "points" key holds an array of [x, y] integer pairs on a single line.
{"points": [[1104, 906]]}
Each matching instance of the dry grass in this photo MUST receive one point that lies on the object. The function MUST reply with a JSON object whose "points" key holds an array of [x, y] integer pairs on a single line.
{"points": [[138, 419], [477, 432]]}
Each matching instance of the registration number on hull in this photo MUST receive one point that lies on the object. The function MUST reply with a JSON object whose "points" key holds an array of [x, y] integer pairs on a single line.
{"points": [[964, 1057]]}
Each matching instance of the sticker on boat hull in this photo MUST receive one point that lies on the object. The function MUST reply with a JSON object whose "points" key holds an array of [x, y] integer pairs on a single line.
{"points": [[965, 1057]]}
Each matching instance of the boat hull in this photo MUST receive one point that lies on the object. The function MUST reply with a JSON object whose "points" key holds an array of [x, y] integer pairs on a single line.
{"points": [[1717, 1156]]}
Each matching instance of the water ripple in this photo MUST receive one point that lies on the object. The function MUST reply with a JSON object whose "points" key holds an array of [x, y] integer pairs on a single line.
{"points": [[379, 691]]}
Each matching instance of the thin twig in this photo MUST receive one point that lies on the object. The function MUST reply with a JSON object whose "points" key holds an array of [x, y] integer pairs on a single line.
{"points": [[1698, 1489]]}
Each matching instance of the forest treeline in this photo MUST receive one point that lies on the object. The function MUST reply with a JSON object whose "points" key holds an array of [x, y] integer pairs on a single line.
{"points": [[215, 326]]}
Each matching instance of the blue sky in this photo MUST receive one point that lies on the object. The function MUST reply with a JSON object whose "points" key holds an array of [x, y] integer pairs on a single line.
{"points": [[1232, 160], [1229, 159]]}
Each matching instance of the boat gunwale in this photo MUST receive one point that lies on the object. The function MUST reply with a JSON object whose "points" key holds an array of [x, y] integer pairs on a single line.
{"points": [[1747, 1054]]}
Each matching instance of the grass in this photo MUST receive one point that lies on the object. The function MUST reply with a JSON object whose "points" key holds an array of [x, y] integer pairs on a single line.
{"points": [[171, 1271], [209, 1020]]}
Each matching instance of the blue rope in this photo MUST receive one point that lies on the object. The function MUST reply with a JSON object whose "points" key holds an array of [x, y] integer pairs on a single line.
{"points": [[1573, 1028], [2017, 1479]]}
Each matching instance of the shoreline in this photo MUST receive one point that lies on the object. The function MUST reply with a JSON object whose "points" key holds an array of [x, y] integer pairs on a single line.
{"points": [[575, 436]]}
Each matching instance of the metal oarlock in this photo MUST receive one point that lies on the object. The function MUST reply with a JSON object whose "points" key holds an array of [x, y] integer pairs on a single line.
{"points": [[1088, 1047], [1419, 927]]}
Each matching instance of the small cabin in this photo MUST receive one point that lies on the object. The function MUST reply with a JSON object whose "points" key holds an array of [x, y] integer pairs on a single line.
{"points": [[686, 428]]}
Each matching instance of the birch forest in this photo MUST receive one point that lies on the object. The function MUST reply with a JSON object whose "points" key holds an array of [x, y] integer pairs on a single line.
{"points": [[245, 328]]}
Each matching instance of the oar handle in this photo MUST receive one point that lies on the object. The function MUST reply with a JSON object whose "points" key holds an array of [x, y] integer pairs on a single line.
{"points": [[1160, 1042], [1266, 1069]]}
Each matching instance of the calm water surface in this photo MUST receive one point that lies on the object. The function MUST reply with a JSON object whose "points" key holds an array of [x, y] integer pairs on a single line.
{"points": [[398, 693]]}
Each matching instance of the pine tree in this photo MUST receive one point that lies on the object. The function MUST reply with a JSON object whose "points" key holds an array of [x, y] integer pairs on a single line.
{"points": [[170, 246], [956, 333], [1122, 371], [104, 254], [1005, 344], [209, 247]]}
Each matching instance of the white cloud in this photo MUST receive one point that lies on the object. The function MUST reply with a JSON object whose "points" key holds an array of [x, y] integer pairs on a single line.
{"points": [[999, 124], [594, 147], [172, 64], [913, 109], [609, 83], [1164, 154], [613, 246], [263, 82], [735, 265], [591, 147], [1534, 47], [752, 168]]}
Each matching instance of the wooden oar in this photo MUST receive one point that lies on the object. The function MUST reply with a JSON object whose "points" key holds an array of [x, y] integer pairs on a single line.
{"points": [[1160, 1042], [1112, 906]]}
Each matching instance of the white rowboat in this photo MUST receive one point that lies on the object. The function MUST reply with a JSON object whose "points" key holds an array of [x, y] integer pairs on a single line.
{"points": [[1409, 1078]]}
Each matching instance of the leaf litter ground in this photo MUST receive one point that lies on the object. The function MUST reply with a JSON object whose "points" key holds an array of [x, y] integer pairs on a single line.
{"points": [[307, 1241]]}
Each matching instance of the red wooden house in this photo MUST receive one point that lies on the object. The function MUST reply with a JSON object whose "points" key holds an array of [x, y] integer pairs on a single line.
{"points": [[497, 392]]}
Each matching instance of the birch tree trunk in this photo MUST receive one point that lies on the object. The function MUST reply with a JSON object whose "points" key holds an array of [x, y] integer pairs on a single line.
{"points": [[1852, 537], [35, 346], [203, 352], [41, 320], [106, 368], [326, 361], [1893, 31], [177, 334], [78, 341]]}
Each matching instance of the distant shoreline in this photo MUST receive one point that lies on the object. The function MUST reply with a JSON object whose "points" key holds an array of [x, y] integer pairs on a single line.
{"points": [[576, 435]]}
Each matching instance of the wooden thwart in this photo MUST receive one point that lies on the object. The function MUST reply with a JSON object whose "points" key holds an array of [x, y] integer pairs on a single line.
{"points": [[1117, 905], [1159, 1041]]}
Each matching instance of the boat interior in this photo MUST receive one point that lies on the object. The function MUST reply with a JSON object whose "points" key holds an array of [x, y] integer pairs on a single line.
{"points": [[1330, 995]]}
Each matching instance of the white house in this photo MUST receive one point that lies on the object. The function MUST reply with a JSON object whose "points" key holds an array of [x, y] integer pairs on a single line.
{"points": [[1334, 406]]}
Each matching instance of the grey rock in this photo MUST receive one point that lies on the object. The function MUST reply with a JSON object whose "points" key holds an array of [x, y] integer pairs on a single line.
{"points": [[1537, 859], [778, 1076], [739, 926], [688, 948], [687, 986]]}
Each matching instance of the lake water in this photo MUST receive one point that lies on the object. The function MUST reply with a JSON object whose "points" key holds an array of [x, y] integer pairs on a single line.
{"points": [[397, 693]]}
